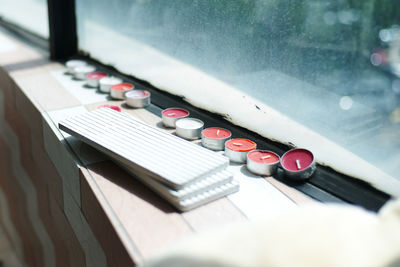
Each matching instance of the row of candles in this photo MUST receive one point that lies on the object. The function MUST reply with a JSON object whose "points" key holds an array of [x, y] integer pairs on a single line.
{"points": [[298, 163], [108, 84]]}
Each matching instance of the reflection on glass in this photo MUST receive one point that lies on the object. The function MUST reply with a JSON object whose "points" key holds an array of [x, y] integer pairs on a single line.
{"points": [[29, 14], [334, 66]]}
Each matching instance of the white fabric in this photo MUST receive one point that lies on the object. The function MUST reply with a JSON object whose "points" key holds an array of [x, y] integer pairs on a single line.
{"points": [[315, 235]]}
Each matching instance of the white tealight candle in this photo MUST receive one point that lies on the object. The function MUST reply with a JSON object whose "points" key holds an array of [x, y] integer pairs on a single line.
{"points": [[137, 98], [189, 128], [106, 83], [73, 63], [81, 71]]}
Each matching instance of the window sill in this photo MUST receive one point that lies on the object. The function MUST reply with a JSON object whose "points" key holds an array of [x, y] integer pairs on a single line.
{"points": [[98, 209]]}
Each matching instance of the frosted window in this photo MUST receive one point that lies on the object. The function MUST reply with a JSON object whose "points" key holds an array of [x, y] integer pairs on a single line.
{"points": [[333, 66], [29, 14]]}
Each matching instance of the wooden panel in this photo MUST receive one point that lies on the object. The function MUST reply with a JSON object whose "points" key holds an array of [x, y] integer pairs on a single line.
{"points": [[63, 160], [114, 249], [73, 253], [295, 195], [47, 91], [7, 253], [40, 169], [28, 129], [33, 250], [18, 55], [8, 225], [151, 222], [213, 215]]}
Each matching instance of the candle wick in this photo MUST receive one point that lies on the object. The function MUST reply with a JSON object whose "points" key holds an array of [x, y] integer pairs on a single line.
{"points": [[298, 164], [266, 157], [171, 114], [217, 132], [237, 144]]}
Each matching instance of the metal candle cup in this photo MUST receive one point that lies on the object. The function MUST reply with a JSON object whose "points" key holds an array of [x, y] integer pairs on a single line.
{"points": [[298, 164], [189, 128], [262, 162], [106, 83], [171, 115], [92, 79], [73, 63], [81, 71], [236, 149], [137, 98], [118, 91], [214, 138]]}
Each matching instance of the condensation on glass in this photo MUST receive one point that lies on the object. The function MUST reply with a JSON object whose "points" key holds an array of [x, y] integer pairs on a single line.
{"points": [[333, 66], [29, 14]]}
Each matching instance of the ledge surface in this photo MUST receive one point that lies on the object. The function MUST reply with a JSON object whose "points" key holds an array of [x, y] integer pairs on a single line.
{"points": [[82, 209]]}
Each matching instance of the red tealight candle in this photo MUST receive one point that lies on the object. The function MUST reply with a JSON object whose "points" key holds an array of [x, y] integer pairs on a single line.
{"points": [[118, 91], [236, 149], [298, 163], [93, 78], [116, 108], [262, 162], [171, 115], [214, 138]]}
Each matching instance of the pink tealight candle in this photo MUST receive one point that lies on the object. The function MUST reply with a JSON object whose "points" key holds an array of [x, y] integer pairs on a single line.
{"points": [[262, 162], [137, 98], [214, 138], [92, 79], [171, 115], [298, 164], [118, 91], [116, 108], [236, 149]]}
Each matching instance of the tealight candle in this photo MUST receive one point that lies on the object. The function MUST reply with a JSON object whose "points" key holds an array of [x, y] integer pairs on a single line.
{"points": [[92, 79], [73, 63], [262, 162], [236, 149], [189, 128], [298, 164], [116, 108], [214, 138], [137, 98], [106, 83], [81, 71], [118, 91], [171, 115]]}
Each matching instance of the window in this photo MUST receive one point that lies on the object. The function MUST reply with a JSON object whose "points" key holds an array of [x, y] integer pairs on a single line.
{"points": [[331, 66], [323, 75], [29, 14]]}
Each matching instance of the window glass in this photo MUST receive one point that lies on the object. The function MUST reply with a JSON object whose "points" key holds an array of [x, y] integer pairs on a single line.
{"points": [[29, 14], [333, 66]]}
